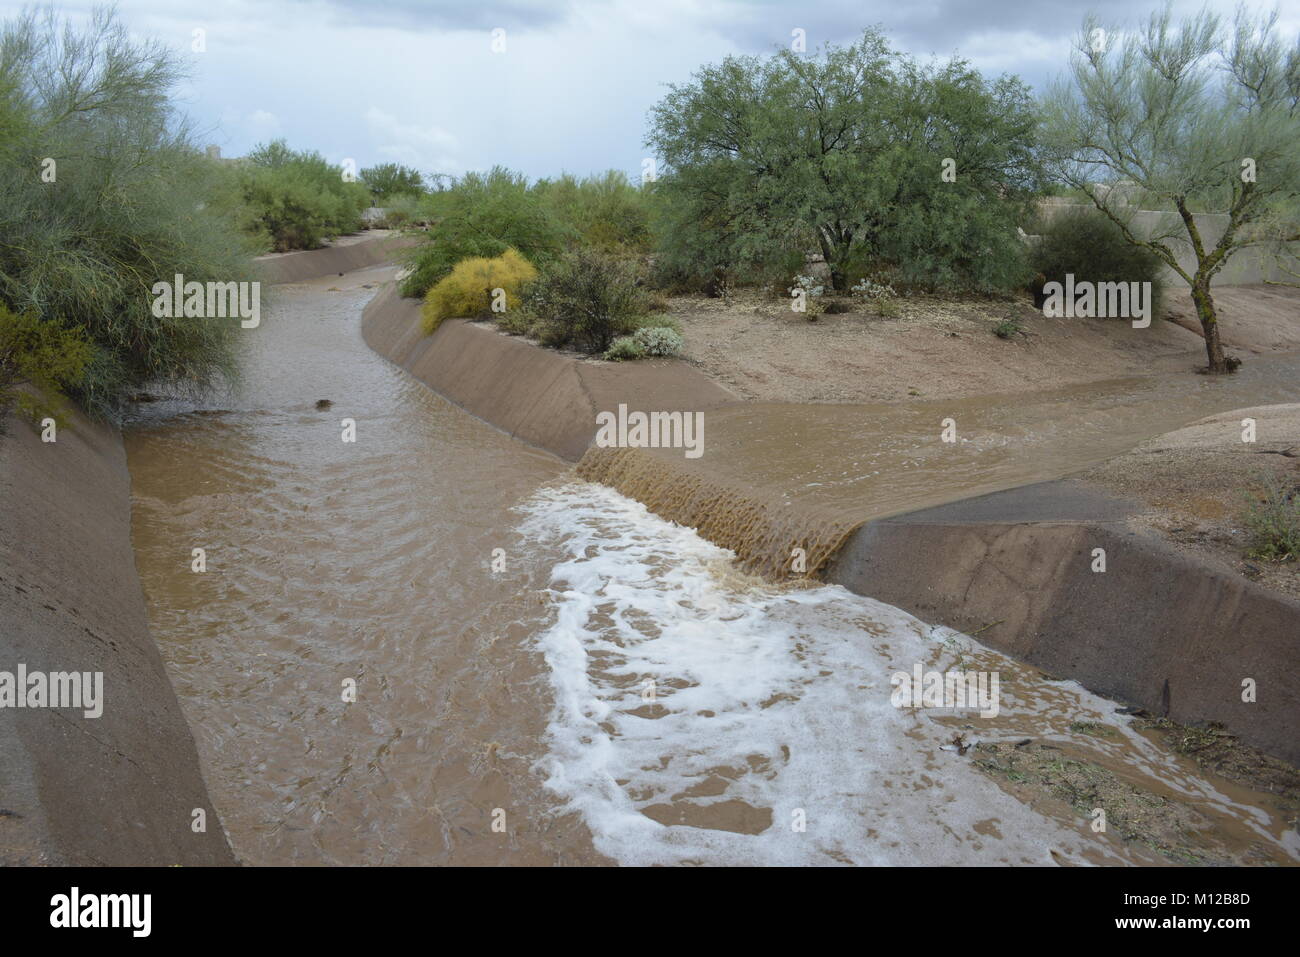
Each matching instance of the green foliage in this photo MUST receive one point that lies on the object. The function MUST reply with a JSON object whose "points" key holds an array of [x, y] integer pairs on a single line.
{"points": [[44, 356], [390, 180], [1008, 329], [403, 209], [482, 215], [625, 348], [1191, 116], [1091, 247], [606, 212], [587, 299], [132, 202], [769, 157], [296, 200], [1273, 522], [467, 291]]}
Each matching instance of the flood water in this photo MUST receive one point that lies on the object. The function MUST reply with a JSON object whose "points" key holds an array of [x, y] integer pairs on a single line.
{"points": [[545, 672]]}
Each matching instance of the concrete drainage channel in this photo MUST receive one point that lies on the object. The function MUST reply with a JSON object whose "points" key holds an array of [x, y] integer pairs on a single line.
{"points": [[1159, 630], [125, 787]]}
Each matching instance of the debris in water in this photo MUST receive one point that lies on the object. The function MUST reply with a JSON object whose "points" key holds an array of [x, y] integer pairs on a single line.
{"points": [[323, 404], [958, 744]]}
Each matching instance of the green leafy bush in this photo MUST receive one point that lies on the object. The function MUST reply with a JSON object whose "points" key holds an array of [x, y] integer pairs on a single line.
{"points": [[296, 200], [482, 215], [625, 348], [44, 356], [605, 212], [588, 299], [128, 201], [387, 181], [1273, 522], [1008, 329], [1085, 243]]}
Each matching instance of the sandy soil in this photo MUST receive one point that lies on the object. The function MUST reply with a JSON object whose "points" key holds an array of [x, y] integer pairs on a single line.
{"points": [[1198, 482], [942, 347]]}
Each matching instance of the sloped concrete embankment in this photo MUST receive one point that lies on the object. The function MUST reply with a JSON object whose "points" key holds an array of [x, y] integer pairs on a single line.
{"points": [[1157, 629], [332, 260], [119, 789], [541, 397]]}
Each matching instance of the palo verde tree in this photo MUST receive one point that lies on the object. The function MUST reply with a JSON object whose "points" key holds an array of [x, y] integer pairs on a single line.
{"points": [[1194, 117], [856, 150], [103, 193]]}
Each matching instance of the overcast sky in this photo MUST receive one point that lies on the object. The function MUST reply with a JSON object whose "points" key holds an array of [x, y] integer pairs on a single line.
{"points": [[418, 81]]}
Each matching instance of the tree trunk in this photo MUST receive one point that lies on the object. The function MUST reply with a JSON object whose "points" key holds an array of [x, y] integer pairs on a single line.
{"points": [[1209, 326]]}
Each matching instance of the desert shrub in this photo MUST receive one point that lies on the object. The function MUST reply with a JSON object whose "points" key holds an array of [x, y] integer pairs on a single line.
{"points": [[1273, 522], [131, 201], [550, 333], [44, 356], [590, 298], [624, 348], [656, 320], [516, 322], [1085, 243], [387, 181], [1007, 329], [810, 290], [482, 215], [872, 291], [296, 200], [468, 290], [400, 210], [606, 212], [658, 340]]}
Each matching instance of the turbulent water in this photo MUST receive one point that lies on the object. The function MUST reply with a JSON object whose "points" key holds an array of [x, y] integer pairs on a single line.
{"points": [[545, 672]]}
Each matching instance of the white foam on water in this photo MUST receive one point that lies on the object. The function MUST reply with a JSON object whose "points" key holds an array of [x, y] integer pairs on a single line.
{"points": [[782, 695]]}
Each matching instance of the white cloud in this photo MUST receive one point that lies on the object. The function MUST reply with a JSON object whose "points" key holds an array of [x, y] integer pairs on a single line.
{"points": [[428, 148]]}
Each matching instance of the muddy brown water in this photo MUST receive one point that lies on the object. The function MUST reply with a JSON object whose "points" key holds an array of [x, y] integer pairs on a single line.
{"points": [[619, 691]]}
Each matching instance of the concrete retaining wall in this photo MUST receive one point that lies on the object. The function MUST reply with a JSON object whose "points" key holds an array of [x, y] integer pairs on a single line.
{"points": [[118, 789], [1157, 629]]}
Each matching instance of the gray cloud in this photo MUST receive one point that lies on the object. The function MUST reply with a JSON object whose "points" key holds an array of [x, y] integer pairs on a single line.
{"points": [[417, 81]]}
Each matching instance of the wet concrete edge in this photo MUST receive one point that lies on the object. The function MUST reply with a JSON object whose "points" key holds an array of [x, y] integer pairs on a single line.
{"points": [[1157, 629], [119, 789]]}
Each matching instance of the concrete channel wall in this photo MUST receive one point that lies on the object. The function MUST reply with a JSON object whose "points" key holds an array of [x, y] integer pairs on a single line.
{"points": [[121, 788]]}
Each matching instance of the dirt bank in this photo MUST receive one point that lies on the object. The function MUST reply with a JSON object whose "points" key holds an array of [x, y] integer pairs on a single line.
{"points": [[1196, 486], [938, 348], [121, 788]]}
